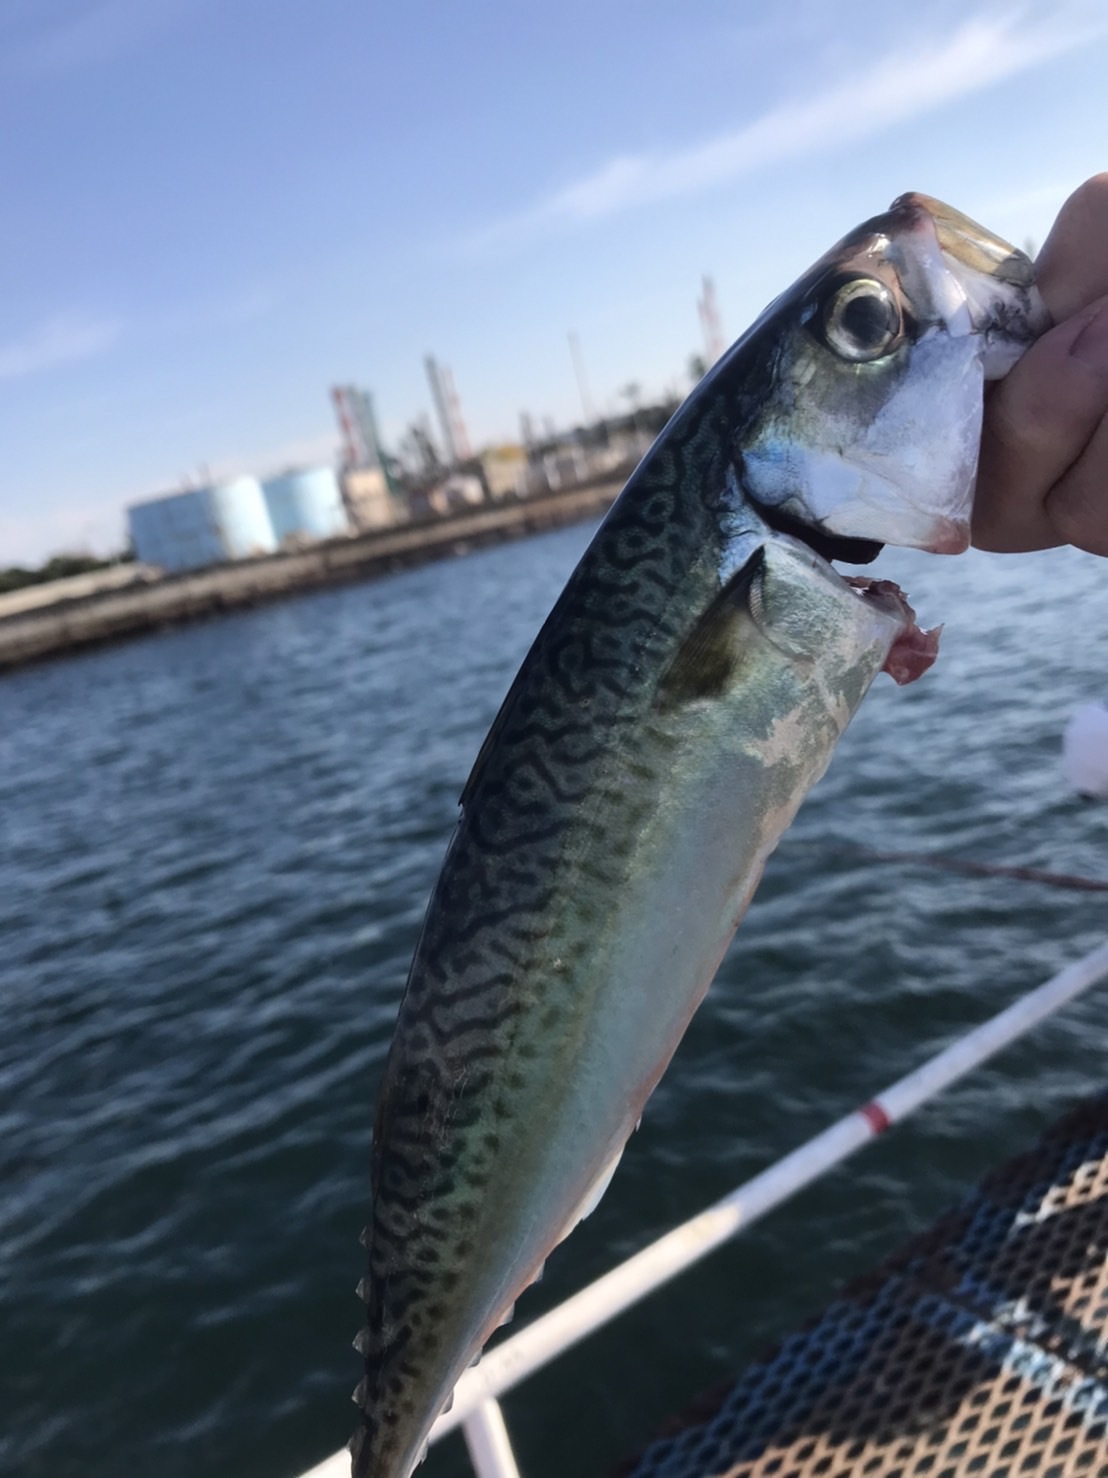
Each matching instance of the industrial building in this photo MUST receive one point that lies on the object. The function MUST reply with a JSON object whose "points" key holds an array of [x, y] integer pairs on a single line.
{"points": [[361, 441], [202, 526], [373, 499], [505, 472], [370, 502]]}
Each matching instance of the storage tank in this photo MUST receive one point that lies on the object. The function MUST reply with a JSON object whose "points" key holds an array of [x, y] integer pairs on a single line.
{"points": [[305, 504], [177, 532], [202, 526], [239, 508]]}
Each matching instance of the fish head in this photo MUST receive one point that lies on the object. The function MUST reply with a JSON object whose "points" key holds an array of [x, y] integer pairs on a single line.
{"points": [[865, 382]]}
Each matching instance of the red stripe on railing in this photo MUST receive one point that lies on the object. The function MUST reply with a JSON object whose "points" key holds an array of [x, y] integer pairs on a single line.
{"points": [[875, 1116]]}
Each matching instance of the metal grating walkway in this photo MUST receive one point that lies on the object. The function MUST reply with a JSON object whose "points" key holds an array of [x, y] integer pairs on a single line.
{"points": [[980, 1349]]}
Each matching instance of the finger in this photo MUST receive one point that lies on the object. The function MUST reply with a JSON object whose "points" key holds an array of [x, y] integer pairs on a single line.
{"points": [[1072, 268], [1038, 423], [1077, 505]]}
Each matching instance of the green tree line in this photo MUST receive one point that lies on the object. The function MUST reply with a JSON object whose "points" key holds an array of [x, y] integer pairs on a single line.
{"points": [[16, 577]]}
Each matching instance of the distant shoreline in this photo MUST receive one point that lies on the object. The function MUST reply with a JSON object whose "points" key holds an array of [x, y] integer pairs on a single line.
{"points": [[76, 622]]}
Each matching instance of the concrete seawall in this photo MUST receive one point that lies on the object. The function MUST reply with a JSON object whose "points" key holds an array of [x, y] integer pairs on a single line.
{"points": [[75, 622]]}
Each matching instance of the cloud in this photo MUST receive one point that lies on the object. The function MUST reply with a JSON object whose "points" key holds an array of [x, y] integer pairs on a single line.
{"points": [[898, 86], [59, 340], [68, 337]]}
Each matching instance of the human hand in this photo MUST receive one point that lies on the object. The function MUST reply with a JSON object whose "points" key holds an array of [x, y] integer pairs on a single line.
{"points": [[1043, 473]]}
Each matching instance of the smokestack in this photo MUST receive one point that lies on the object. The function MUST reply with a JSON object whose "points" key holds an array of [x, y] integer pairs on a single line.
{"points": [[458, 432], [710, 323], [361, 444], [582, 383], [442, 411]]}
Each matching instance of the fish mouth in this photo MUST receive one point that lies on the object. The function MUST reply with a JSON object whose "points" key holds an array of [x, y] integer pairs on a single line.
{"points": [[827, 546]]}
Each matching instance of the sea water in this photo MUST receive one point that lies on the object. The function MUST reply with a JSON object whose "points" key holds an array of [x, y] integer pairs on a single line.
{"points": [[216, 846]]}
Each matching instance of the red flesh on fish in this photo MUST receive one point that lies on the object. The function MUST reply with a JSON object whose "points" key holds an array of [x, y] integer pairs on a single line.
{"points": [[914, 650]]}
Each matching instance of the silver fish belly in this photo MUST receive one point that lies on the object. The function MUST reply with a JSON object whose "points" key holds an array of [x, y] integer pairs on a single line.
{"points": [[684, 695]]}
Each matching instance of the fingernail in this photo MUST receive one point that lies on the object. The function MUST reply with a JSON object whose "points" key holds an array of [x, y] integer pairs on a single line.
{"points": [[1091, 344]]}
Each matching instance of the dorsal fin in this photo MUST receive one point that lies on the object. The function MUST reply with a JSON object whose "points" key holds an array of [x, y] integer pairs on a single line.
{"points": [[711, 653]]}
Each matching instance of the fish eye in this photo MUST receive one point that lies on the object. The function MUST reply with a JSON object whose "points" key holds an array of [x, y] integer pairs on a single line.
{"points": [[861, 320]]}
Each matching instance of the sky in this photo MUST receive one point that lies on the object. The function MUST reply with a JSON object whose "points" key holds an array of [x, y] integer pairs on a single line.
{"points": [[211, 211]]}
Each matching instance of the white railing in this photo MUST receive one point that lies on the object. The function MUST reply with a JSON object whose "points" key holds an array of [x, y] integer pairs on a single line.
{"points": [[475, 1407]]}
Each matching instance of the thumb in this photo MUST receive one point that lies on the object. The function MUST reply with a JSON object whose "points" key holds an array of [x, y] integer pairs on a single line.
{"points": [[1043, 471]]}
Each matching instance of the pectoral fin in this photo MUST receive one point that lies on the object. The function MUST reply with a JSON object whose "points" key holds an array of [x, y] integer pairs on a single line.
{"points": [[710, 655]]}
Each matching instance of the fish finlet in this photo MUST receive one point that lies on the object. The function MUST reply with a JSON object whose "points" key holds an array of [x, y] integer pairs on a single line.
{"points": [[360, 1393], [361, 1340], [362, 1289]]}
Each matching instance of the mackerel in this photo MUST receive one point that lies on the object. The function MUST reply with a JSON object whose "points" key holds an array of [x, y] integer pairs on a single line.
{"points": [[681, 699]]}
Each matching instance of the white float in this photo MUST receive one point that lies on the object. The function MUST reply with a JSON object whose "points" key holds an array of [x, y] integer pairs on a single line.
{"points": [[1085, 750]]}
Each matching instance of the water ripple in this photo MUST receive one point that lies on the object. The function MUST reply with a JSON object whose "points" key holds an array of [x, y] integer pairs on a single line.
{"points": [[217, 847]]}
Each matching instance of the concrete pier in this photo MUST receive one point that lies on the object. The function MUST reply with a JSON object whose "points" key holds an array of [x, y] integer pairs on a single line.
{"points": [[130, 605]]}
